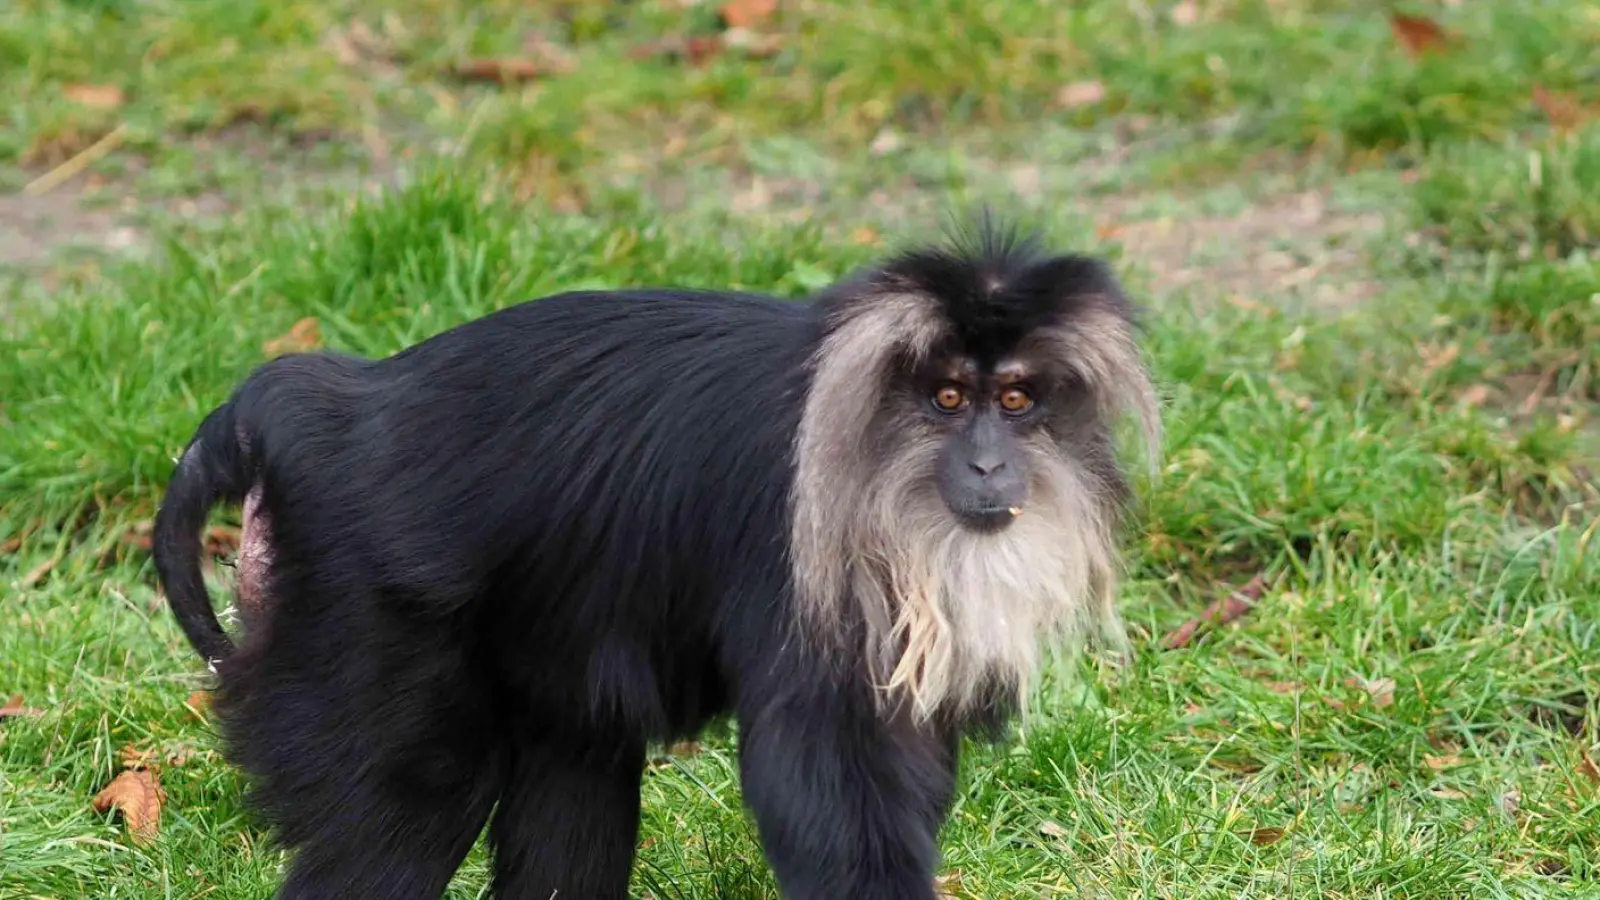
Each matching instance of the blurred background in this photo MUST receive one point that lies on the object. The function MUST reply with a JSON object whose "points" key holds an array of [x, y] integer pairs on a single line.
{"points": [[1365, 234]]}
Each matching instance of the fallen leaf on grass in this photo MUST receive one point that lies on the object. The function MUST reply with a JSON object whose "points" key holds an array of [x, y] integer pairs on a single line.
{"points": [[1417, 34], [1266, 837], [1081, 93], [1436, 358], [1563, 109], [1052, 829], [1380, 690], [11, 545], [1186, 13], [748, 13], [1285, 687], [137, 794], [1477, 395], [865, 236], [1220, 612], [305, 335], [37, 573], [1550, 868], [752, 44], [507, 69], [947, 886], [220, 540], [198, 703], [1440, 763], [1509, 802], [171, 754], [1444, 793], [94, 96], [887, 141], [1590, 769], [1243, 765], [15, 709], [696, 50]]}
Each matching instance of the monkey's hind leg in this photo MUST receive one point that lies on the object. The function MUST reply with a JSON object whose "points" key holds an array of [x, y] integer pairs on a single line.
{"points": [[569, 816], [370, 748]]}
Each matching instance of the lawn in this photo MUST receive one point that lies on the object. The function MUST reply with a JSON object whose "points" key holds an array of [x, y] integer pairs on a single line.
{"points": [[1369, 244]]}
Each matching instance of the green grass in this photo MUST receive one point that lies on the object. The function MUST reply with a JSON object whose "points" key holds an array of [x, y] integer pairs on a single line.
{"points": [[1407, 712]]}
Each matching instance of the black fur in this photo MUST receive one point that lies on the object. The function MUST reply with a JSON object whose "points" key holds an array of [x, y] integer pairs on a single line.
{"points": [[510, 556]]}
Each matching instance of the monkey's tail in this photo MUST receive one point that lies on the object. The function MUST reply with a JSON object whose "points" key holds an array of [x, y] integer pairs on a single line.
{"points": [[214, 469]]}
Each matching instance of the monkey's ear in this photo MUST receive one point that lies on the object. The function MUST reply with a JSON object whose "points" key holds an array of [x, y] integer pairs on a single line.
{"points": [[1098, 339]]}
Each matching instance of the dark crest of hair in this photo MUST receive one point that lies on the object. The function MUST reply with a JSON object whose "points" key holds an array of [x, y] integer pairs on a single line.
{"points": [[994, 282]]}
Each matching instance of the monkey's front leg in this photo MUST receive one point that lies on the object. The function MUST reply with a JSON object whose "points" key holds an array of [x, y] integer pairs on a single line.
{"points": [[847, 807]]}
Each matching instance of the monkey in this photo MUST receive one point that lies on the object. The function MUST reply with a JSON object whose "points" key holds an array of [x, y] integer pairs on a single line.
{"points": [[488, 570]]}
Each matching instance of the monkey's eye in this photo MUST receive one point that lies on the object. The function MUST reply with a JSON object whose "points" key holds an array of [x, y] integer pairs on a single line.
{"points": [[1015, 401], [949, 398]]}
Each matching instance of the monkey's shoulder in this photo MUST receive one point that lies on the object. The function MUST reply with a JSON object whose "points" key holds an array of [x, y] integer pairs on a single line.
{"points": [[638, 314]]}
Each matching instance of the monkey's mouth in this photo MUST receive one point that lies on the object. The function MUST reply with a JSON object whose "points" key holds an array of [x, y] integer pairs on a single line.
{"points": [[988, 519]]}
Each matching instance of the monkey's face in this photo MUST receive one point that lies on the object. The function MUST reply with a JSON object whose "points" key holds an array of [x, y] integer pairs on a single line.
{"points": [[987, 419]]}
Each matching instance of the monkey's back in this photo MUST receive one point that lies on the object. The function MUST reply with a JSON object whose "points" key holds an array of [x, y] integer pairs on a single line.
{"points": [[583, 465]]}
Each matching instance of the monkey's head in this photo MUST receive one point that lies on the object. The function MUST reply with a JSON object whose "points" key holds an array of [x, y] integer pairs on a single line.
{"points": [[956, 485]]}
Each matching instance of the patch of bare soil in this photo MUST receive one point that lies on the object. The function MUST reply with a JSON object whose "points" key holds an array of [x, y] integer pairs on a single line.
{"points": [[34, 228], [109, 216], [1288, 249]]}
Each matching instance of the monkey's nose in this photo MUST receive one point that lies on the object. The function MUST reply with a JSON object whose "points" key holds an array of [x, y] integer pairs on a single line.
{"points": [[986, 466]]}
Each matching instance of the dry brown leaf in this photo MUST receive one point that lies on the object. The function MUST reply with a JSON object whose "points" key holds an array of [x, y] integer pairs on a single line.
{"points": [[503, 69], [137, 794], [1440, 763], [222, 540], [198, 703], [1220, 612], [134, 756], [343, 48], [748, 13], [139, 534], [1417, 34], [94, 96], [16, 709], [1285, 687], [865, 236], [948, 886], [695, 50], [1550, 868], [1590, 769], [685, 748], [1186, 13], [1379, 690], [1445, 793], [11, 545], [753, 44], [38, 572], [1476, 395], [887, 141], [1266, 837], [1563, 109], [1436, 358], [138, 756], [1509, 802], [304, 336], [1245, 766], [1052, 829], [1081, 93]]}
